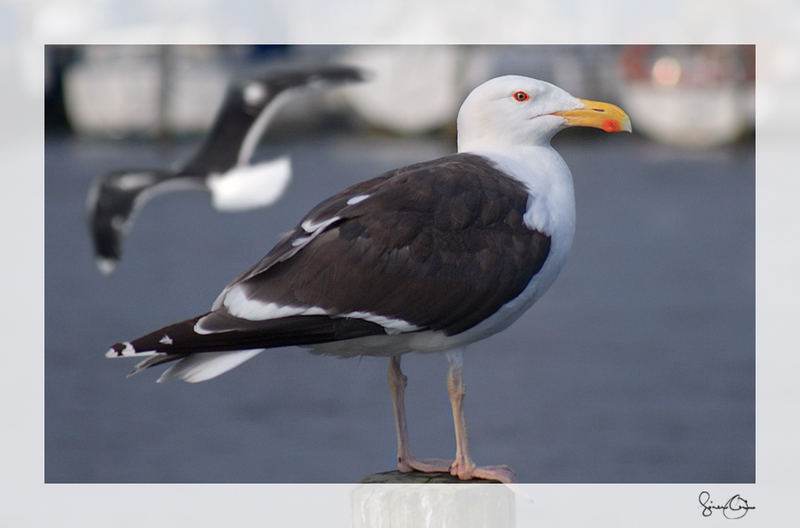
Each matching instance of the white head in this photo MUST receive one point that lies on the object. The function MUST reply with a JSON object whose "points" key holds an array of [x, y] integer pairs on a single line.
{"points": [[515, 110]]}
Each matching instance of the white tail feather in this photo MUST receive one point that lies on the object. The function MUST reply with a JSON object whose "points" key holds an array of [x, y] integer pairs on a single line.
{"points": [[203, 366]]}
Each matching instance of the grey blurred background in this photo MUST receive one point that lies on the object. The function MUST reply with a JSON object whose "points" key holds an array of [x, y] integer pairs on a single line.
{"points": [[637, 366]]}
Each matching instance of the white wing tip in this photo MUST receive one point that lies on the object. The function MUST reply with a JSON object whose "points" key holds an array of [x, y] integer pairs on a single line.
{"points": [[105, 265]]}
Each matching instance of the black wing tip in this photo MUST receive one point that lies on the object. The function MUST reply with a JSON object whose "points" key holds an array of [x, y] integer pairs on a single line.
{"points": [[109, 207], [124, 349], [287, 76], [106, 242], [342, 73]]}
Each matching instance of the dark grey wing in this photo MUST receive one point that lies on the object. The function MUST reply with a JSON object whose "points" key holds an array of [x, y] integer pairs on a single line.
{"points": [[287, 246], [440, 245], [246, 110], [113, 201]]}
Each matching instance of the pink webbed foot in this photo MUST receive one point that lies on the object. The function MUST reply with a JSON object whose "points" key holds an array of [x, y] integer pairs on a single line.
{"points": [[427, 465], [500, 473], [466, 469]]}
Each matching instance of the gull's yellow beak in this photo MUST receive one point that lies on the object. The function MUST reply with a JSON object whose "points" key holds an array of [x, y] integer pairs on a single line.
{"points": [[596, 114]]}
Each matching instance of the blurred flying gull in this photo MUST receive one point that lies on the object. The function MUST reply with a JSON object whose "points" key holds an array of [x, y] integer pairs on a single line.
{"points": [[221, 165], [425, 258]]}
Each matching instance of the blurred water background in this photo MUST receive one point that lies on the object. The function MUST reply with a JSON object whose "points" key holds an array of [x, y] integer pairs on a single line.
{"points": [[637, 366]]}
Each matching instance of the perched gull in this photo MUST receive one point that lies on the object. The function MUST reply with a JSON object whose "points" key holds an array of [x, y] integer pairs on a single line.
{"points": [[425, 258], [221, 165]]}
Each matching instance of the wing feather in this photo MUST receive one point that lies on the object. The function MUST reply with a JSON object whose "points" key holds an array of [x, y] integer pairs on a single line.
{"points": [[441, 245]]}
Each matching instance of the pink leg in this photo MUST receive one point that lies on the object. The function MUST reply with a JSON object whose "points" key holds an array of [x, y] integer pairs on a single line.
{"points": [[463, 467], [405, 460]]}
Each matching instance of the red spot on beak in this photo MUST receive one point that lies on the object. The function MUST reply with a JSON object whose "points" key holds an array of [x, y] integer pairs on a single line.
{"points": [[609, 125]]}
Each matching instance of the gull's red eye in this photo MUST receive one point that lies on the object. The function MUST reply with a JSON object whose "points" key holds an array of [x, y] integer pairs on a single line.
{"points": [[521, 96]]}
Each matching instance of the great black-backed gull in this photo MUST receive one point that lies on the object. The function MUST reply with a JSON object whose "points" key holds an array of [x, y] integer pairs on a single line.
{"points": [[221, 165], [427, 258]]}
